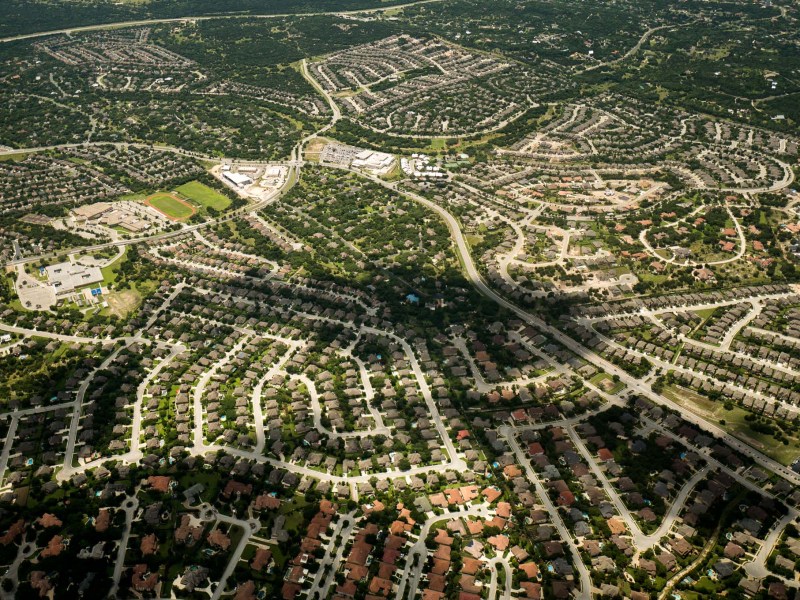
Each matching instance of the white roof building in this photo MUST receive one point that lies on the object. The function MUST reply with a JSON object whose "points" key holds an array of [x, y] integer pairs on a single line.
{"points": [[379, 162], [237, 179], [67, 277]]}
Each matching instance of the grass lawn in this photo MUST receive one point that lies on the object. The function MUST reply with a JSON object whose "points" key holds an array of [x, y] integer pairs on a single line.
{"points": [[706, 313], [203, 195], [473, 239], [278, 556], [15, 157], [110, 272], [173, 207], [653, 278], [136, 197], [208, 479], [735, 423], [610, 388], [292, 509], [121, 302], [619, 271], [705, 585], [395, 173]]}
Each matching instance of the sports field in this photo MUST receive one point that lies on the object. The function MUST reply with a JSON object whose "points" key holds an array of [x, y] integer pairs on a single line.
{"points": [[203, 195], [171, 206]]}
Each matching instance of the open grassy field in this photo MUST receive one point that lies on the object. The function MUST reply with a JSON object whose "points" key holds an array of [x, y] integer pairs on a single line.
{"points": [[705, 313], [203, 195], [17, 156], [734, 423], [172, 206], [122, 302], [110, 271], [605, 382]]}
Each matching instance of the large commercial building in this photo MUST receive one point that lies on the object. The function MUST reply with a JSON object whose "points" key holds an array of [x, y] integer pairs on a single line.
{"points": [[88, 212], [238, 179], [67, 277], [377, 162]]}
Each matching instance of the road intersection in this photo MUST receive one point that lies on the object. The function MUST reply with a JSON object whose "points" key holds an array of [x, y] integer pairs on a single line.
{"points": [[454, 459]]}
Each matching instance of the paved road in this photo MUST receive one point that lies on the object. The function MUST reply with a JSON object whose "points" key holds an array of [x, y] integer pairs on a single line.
{"points": [[316, 410], [8, 445], [742, 247], [508, 435], [68, 469], [335, 110], [495, 564], [456, 462], [136, 423], [129, 506], [236, 253], [637, 386], [57, 336], [727, 340], [633, 384], [676, 507], [140, 22], [684, 307], [69, 454], [774, 334], [369, 391], [169, 234], [757, 568], [10, 436], [322, 583], [248, 529], [416, 556], [659, 363], [465, 257], [640, 540], [788, 179], [481, 385], [258, 414], [26, 549], [635, 48], [121, 145], [200, 446]]}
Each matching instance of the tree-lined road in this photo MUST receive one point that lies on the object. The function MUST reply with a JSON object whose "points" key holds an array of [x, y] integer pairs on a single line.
{"points": [[191, 18], [635, 385]]}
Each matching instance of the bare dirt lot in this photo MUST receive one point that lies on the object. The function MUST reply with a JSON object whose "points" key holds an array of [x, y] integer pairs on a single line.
{"points": [[123, 303]]}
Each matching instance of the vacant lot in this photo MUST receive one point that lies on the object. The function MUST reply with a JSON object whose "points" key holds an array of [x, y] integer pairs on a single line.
{"points": [[607, 383], [122, 303], [172, 206], [203, 195]]}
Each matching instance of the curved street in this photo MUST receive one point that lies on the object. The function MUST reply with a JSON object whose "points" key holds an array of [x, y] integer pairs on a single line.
{"points": [[465, 257], [140, 22]]}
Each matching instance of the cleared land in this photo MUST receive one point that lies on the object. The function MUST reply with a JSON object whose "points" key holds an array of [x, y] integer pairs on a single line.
{"points": [[314, 148], [203, 195], [123, 303], [171, 206], [605, 381]]}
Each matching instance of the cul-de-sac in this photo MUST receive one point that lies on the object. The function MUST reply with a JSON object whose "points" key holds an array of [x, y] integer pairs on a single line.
{"points": [[400, 299]]}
